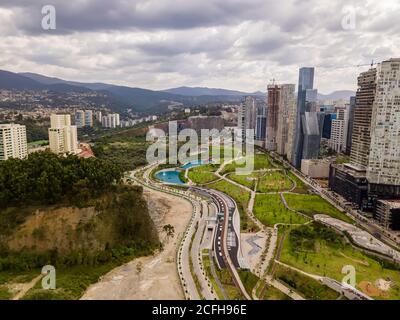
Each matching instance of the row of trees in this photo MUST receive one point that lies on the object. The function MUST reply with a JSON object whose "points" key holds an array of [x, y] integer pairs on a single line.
{"points": [[45, 178]]}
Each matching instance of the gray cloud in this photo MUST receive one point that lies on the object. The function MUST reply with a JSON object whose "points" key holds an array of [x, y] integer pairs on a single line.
{"points": [[223, 43]]}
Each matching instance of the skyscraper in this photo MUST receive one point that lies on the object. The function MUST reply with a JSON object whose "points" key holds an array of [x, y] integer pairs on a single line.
{"points": [[361, 139], [273, 102], [349, 138], [63, 138], [13, 141], [261, 126], [383, 165], [247, 115], [308, 123], [286, 114], [373, 173]]}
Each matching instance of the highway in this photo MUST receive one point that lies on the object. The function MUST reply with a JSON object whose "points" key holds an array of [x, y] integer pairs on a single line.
{"points": [[226, 245], [190, 240]]}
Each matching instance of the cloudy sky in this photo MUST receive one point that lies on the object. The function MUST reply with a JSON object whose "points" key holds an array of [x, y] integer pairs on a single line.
{"points": [[234, 44]]}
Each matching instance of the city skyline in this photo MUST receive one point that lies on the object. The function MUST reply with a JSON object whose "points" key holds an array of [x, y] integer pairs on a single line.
{"points": [[225, 44]]}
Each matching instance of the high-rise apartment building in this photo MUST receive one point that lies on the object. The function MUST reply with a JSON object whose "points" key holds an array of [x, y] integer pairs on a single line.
{"points": [[63, 137], [111, 120], [89, 118], [375, 150], [361, 136], [13, 143], [383, 165], [80, 118], [349, 138], [339, 127], [247, 116], [84, 118], [273, 102], [286, 114]]}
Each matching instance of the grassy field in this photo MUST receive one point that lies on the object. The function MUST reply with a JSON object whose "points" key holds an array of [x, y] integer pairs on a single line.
{"points": [[203, 174], [301, 186], [245, 180], [314, 204], [274, 181], [270, 293], [242, 199], [269, 209], [224, 153], [261, 161], [319, 250], [207, 267], [307, 287], [249, 280]]}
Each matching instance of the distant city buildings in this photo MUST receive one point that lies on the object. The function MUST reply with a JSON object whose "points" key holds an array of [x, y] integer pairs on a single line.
{"points": [[198, 123], [63, 137], [111, 120], [13, 143]]}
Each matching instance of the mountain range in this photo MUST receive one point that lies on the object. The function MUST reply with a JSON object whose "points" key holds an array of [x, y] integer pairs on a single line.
{"points": [[141, 100]]}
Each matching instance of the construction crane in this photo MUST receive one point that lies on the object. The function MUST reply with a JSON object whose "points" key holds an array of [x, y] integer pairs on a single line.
{"points": [[372, 64]]}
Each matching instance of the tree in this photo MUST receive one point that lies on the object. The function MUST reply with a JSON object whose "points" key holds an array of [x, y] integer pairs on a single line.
{"points": [[139, 269], [169, 230]]}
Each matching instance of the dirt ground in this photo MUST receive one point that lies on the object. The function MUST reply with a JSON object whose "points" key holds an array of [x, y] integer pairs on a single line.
{"points": [[155, 277], [372, 290]]}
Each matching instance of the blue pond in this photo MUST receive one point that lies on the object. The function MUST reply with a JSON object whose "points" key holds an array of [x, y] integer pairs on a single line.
{"points": [[172, 176], [169, 177], [192, 164]]}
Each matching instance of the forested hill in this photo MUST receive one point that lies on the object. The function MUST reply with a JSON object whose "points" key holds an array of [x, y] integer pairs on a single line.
{"points": [[70, 212], [45, 178]]}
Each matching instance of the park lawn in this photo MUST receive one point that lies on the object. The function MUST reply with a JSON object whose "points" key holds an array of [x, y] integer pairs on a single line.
{"points": [[207, 267], [203, 174], [273, 181], [328, 258], [245, 180], [307, 287], [261, 161], [314, 204], [271, 293], [249, 280], [301, 187], [227, 153], [241, 198], [269, 209]]}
